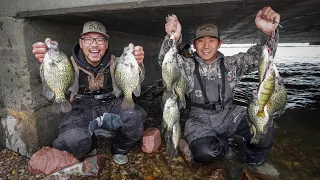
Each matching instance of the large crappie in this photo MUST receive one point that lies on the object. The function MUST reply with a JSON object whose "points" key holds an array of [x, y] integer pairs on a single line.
{"points": [[170, 68], [127, 76], [57, 75], [170, 124]]}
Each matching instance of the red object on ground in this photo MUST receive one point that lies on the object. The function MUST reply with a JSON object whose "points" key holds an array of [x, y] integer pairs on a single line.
{"points": [[151, 140], [49, 160]]}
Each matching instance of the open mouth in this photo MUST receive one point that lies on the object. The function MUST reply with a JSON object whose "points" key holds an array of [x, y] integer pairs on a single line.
{"points": [[95, 53]]}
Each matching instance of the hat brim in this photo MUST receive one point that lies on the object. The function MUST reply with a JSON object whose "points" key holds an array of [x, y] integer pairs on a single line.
{"points": [[203, 35], [103, 34]]}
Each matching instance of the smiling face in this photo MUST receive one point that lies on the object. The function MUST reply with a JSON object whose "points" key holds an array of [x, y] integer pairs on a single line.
{"points": [[94, 51], [207, 47]]}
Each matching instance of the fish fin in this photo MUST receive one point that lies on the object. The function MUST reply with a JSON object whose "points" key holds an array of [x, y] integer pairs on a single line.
{"points": [[66, 106], [261, 114], [3, 112], [127, 104], [137, 91], [56, 108], [255, 139], [116, 90], [164, 126], [170, 149], [182, 103], [170, 94], [46, 91], [141, 73]]}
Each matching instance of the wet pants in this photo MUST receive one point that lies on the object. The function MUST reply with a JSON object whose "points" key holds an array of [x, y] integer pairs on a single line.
{"points": [[77, 136], [210, 148]]}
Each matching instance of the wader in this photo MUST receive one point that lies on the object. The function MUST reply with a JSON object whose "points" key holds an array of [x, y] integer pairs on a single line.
{"points": [[214, 118], [96, 107]]}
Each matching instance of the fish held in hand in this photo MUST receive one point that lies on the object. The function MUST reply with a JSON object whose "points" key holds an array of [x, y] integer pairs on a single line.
{"points": [[170, 68], [58, 75], [128, 76]]}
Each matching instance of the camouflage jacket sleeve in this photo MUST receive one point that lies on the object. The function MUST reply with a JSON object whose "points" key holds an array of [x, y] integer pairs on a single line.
{"points": [[242, 63]]}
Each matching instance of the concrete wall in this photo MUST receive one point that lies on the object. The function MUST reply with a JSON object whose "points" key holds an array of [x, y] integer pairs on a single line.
{"points": [[28, 122]]}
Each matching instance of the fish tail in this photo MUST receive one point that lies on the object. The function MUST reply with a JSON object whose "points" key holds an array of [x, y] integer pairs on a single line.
{"points": [[56, 108], [261, 114], [170, 94], [255, 139], [127, 103], [65, 106], [182, 103], [170, 149]]}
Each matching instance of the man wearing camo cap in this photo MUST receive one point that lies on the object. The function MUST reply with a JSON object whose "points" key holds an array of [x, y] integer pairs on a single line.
{"points": [[95, 108], [213, 117]]}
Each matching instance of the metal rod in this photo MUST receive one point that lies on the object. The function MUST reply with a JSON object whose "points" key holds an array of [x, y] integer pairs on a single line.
{"points": [[277, 23]]}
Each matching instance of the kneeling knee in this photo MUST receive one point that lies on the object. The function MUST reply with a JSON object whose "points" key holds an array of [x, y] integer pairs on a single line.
{"points": [[207, 149], [75, 141]]}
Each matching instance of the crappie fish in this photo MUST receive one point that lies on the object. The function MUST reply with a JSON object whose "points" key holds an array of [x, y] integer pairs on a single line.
{"points": [[170, 68], [265, 91], [128, 76], [176, 134], [171, 116], [258, 125], [263, 63], [278, 99], [57, 75], [181, 87]]}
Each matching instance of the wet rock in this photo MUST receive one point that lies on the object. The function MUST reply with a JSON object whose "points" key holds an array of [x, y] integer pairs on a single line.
{"points": [[184, 148], [248, 174], [218, 174], [93, 165], [151, 140], [49, 160]]}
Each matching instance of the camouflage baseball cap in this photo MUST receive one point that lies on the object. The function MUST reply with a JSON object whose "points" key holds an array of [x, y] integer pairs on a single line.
{"points": [[94, 26], [207, 30]]}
